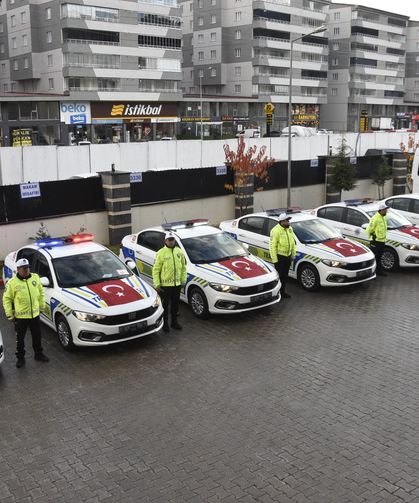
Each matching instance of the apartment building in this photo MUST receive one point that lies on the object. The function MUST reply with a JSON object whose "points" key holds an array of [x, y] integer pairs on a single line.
{"points": [[412, 73], [236, 54], [367, 63], [125, 52]]}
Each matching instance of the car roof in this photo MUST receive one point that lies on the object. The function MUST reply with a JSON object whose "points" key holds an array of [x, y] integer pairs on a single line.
{"points": [[407, 196], [295, 217], [187, 232], [70, 249], [373, 206]]}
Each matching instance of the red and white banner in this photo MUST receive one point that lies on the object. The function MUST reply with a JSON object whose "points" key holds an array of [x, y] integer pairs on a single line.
{"points": [[243, 267], [115, 292], [344, 247], [412, 231]]}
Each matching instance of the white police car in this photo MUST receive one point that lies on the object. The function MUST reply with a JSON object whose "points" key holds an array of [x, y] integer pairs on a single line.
{"points": [[92, 298], [406, 204], [323, 257], [222, 277], [351, 218], [1, 349]]}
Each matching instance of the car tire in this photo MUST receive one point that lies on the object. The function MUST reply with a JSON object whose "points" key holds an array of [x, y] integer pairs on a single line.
{"points": [[389, 259], [198, 302], [65, 336], [308, 277]]}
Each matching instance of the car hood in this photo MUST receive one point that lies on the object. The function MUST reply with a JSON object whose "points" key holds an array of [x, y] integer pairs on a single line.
{"points": [[340, 248], [247, 270], [408, 234], [117, 294]]}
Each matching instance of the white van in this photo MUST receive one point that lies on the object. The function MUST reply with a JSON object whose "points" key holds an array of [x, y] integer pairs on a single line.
{"points": [[249, 133]]}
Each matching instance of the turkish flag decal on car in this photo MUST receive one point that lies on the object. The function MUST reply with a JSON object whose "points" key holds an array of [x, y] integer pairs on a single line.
{"points": [[115, 292], [412, 231], [345, 248], [243, 267]]}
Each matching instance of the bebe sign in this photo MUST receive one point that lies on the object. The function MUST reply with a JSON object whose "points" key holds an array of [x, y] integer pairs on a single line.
{"points": [[75, 113]]}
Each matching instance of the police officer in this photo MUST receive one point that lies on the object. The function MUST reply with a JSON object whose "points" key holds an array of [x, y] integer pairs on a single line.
{"points": [[22, 301], [377, 231], [282, 250], [169, 274]]}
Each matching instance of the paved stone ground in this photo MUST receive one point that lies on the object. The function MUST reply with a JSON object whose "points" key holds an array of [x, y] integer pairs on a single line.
{"points": [[314, 400]]}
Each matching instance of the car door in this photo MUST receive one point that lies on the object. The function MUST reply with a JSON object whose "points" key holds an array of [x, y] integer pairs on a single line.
{"points": [[148, 244], [42, 267], [334, 215], [353, 222], [251, 231], [406, 206]]}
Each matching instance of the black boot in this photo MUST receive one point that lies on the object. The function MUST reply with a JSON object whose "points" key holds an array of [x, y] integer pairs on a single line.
{"points": [[176, 325], [166, 327], [41, 357], [20, 362]]}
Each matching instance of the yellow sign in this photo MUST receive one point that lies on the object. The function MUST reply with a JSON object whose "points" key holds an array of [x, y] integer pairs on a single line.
{"points": [[269, 108]]}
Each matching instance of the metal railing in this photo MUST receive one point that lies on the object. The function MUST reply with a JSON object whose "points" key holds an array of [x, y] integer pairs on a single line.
{"points": [[88, 42], [261, 18]]}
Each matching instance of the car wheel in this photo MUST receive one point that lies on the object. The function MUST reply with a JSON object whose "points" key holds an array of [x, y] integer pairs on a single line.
{"points": [[309, 277], [198, 302], [64, 334], [389, 259]]}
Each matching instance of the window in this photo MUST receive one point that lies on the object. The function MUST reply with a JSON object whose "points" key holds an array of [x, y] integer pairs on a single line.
{"points": [[213, 2], [399, 203], [201, 73], [1, 27], [331, 213], [49, 59], [48, 13], [200, 21], [415, 208], [24, 40], [213, 72], [23, 17], [13, 87], [2, 48], [334, 91], [5, 88], [336, 31], [213, 54], [238, 34], [25, 62], [336, 16], [200, 38], [335, 76], [213, 36], [335, 61], [3, 68], [14, 43], [12, 21], [355, 217], [237, 71], [201, 55], [152, 240], [213, 19], [42, 268], [237, 88], [15, 64], [237, 52], [252, 224], [49, 37], [335, 46], [200, 4], [50, 83]]}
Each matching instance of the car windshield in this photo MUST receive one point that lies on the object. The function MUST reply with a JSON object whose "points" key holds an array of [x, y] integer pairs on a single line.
{"points": [[212, 248], [313, 231], [394, 220], [88, 268]]}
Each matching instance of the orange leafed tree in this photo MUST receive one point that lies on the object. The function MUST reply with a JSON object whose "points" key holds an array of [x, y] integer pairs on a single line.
{"points": [[246, 163]]}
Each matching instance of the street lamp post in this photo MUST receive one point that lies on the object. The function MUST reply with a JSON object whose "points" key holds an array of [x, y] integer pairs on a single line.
{"points": [[200, 104], [320, 29]]}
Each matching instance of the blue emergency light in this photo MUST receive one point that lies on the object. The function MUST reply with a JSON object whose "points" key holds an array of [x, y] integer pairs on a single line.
{"points": [[71, 239], [183, 224], [278, 211], [359, 201]]}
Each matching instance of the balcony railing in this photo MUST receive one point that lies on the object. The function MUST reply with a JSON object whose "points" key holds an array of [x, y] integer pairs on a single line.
{"points": [[94, 89], [90, 65], [88, 42], [167, 3], [261, 18]]}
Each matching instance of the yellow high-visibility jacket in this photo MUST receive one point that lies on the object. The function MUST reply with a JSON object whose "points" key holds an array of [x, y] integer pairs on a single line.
{"points": [[24, 298]]}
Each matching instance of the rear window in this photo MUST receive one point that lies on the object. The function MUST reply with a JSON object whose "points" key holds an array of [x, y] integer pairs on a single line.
{"points": [[332, 213]]}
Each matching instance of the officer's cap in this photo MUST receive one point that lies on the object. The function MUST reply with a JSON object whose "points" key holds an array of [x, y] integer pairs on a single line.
{"points": [[382, 206], [23, 262], [283, 216], [169, 235]]}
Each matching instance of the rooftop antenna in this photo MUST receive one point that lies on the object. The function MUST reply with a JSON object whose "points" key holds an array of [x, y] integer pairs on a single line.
{"points": [[165, 219]]}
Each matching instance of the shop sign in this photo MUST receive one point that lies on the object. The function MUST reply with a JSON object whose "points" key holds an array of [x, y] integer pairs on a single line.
{"points": [[22, 137], [136, 177], [28, 190], [195, 119], [234, 118], [220, 170], [314, 163], [75, 113], [402, 115], [304, 118], [353, 160], [133, 110]]}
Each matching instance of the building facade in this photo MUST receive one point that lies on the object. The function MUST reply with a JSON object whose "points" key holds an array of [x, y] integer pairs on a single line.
{"points": [[367, 64], [236, 54]]}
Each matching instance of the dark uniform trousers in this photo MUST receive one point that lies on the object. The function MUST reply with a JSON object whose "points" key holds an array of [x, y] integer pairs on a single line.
{"points": [[170, 296], [21, 325], [377, 247], [283, 267]]}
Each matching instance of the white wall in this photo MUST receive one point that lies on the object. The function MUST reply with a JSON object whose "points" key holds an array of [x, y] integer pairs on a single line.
{"points": [[21, 164]]}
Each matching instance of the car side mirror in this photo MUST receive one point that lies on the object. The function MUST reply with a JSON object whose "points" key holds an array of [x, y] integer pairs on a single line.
{"points": [[364, 226], [245, 245], [132, 265], [45, 282]]}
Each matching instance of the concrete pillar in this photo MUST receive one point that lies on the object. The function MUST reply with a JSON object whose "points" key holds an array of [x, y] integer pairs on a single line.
{"points": [[332, 195], [399, 174], [117, 192]]}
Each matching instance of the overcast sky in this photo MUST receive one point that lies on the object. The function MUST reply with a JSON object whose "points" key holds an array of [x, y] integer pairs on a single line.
{"points": [[405, 7]]}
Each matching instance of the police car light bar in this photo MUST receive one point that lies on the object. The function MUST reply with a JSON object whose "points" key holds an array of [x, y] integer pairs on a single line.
{"points": [[182, 224], [49, 242], [359, 201], [278, 211], [78, 238]]}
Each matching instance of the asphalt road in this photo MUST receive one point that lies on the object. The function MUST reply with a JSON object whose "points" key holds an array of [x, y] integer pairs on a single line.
{"points": [[313, 400]]}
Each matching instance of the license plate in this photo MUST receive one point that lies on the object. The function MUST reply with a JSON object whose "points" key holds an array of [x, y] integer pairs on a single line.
{"points": [[128, 329], [262, 296], [363, 274]]}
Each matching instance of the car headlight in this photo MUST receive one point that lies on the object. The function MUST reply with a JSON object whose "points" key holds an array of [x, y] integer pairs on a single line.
{"points": [[334, 263], [157, 302], [223, 288], [81, 316], [410, 247]]}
